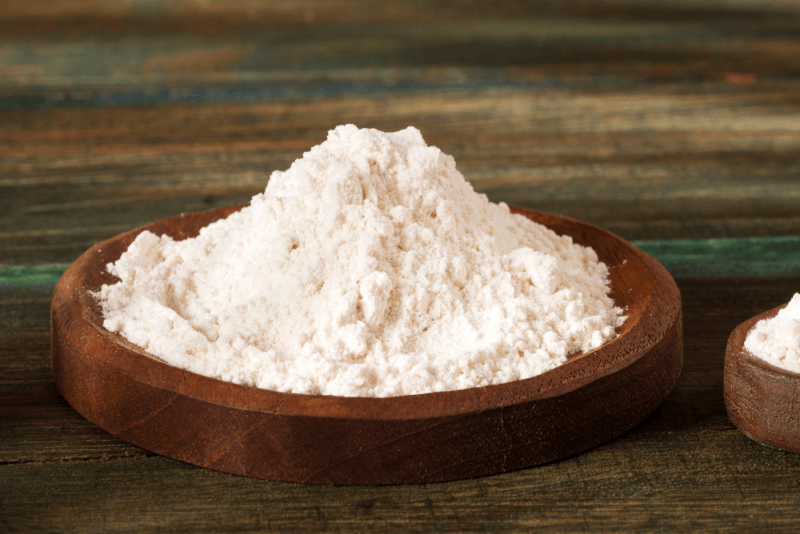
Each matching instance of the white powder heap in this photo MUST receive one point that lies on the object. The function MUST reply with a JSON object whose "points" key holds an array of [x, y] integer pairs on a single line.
{"points": [[369, 268], [777, 340]]}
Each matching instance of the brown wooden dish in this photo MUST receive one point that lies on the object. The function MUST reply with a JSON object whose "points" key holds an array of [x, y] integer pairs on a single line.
{"points": [[762, 400], [591, 399]]}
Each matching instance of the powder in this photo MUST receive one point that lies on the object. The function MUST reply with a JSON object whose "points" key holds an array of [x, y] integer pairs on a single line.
{"points": [[369, 268], [777, 340]]}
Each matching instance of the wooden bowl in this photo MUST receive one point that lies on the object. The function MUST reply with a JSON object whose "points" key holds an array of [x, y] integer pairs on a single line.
{"points": [[762, 400], [591, 399]]}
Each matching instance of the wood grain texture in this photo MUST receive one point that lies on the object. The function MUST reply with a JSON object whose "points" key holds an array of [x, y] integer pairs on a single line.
{"points": [[36, 423], [221, 46], [618, 487], [356, 440], [762, 399]]}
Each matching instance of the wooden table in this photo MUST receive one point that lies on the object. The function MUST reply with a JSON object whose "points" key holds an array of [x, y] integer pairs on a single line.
{"points": [[674, 126]]}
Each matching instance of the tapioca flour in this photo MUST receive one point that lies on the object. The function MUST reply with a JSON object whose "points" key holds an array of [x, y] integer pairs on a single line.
{"points": [[369, 268], [777, 340]]}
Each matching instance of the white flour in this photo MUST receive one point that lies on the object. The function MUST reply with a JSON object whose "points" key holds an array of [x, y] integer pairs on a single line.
{"points": [[777, 340], [369, 268]]}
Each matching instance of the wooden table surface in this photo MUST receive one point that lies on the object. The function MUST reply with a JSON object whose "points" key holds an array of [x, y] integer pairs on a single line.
{"points": [[674, 124]]}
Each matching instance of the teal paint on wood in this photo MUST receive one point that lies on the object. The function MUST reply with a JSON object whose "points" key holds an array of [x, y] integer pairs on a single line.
{"points": [[691, 258], [727, 258], [30, 276]]}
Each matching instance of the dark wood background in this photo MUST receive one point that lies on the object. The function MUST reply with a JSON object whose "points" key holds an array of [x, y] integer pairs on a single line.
{"points": [[658, 120]]}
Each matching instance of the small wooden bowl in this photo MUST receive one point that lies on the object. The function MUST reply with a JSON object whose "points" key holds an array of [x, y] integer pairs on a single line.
{"points": [[762, 400], [591, 399]]}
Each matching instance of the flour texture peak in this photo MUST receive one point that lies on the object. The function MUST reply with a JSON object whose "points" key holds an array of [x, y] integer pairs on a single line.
{"points": [[369, 268]]}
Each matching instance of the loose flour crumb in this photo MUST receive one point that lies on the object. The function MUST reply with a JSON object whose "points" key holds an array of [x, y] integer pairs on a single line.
{"points": [[369, 268], [777, 340]]}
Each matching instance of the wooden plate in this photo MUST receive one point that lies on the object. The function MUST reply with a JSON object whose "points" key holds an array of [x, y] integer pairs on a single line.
{"points": [[591, 399], [762, 400]]}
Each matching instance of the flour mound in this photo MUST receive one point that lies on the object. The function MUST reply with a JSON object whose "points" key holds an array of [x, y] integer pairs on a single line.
{"points": [[369, 268], [777, 340]]}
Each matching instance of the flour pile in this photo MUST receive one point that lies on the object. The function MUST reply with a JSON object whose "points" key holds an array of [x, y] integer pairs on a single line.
{"points": [[369, 268], [777, 340]]}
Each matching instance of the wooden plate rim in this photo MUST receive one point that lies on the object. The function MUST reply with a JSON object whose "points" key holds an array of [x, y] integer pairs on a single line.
{"points": [[112, 350]]}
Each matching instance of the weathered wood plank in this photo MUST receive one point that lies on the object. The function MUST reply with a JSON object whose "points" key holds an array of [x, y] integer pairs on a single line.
{"points": [[649, 165], [718, 480], [85, 53], [371, 10]]}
